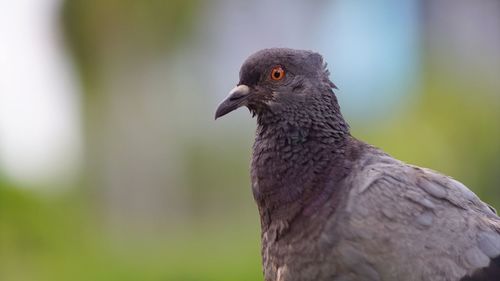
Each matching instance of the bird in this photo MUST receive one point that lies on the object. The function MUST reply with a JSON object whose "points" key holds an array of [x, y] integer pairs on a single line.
{"points": [[333, 207]]}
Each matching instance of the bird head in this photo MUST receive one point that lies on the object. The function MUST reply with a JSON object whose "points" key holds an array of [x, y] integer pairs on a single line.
{"points": [[279, 80]]}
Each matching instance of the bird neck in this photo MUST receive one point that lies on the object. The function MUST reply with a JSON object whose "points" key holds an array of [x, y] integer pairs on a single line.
{"points": [[293, 164]]}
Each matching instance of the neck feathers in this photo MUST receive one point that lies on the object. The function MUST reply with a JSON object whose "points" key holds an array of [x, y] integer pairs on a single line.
{"points": [[298, 159], [317, 117]]}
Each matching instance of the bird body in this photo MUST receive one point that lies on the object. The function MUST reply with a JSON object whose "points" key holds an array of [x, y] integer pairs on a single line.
{"points": [[335, 208]]}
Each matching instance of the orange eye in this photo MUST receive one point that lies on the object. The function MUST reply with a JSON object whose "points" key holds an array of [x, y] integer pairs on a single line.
{"points": [[277, 73]]}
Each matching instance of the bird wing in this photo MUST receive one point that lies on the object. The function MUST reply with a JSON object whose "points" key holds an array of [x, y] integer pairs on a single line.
{"points": [[403, 222]]}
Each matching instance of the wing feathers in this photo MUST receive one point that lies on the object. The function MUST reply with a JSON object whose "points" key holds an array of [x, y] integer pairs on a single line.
{"points": [[438, 227]]}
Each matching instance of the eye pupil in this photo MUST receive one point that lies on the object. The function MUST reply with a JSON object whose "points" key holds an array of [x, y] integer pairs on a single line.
{"points": [[277, 74]]}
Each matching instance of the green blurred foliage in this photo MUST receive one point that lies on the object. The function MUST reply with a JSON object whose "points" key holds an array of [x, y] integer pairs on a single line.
{"points": [[221, 169], [48, 239], [96, 30], [67, 238]]}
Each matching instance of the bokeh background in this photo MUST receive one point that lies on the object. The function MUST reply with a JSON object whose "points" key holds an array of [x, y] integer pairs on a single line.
{"points": [[112, 167]]}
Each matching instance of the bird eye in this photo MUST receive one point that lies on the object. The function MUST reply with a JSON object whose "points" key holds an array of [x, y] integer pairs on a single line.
{"points": [[277, 73]]}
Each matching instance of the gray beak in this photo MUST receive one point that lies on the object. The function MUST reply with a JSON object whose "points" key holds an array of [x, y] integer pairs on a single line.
{"points": [[237, 97]]}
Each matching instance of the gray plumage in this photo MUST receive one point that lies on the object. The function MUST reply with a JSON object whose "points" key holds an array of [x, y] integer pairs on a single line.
{"points": [[335, 208]]}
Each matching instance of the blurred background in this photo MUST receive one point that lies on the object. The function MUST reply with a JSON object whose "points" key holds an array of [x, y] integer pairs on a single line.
{"points": [[112, 167]]}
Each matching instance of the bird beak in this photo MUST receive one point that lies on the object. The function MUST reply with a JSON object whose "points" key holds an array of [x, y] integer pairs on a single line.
{"points": [[237, 97]]}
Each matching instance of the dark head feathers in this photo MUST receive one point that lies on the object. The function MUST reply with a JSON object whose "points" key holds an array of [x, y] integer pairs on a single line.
{"points": [[305, 84], [296, 62]]}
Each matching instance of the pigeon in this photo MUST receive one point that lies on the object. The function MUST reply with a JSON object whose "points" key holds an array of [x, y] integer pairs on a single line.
{"points": [[335, 208]]}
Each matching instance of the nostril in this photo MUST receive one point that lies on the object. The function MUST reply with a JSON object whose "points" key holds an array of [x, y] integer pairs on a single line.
{"points": [[237, 96], [238, 92]]}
